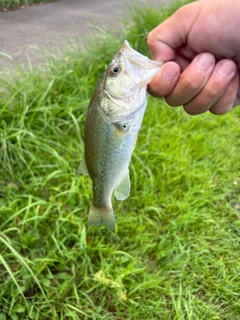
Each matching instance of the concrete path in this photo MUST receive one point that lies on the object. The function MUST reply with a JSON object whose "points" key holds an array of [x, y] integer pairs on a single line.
{"points": [[51, 25]]}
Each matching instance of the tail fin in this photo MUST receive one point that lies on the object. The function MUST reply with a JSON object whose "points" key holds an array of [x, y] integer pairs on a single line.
{"points": [[98, 216]]}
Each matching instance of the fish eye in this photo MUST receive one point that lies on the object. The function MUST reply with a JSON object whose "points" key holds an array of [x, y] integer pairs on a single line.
{"points": [[114, 69]]}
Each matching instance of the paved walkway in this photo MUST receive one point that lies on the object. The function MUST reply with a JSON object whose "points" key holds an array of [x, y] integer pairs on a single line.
{"points": [[51, 25]]}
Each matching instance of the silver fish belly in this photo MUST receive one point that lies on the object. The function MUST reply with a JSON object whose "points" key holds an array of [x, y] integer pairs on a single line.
{"points": [[113, 121]]}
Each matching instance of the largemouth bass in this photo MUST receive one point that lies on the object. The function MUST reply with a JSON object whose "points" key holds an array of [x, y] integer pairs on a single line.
{"points": [[113, 121]]}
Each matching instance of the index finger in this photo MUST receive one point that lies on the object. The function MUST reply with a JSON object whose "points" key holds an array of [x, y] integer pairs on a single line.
{"points": [[171, 34]]}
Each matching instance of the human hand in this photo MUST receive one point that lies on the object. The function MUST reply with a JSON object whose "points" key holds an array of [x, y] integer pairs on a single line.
{"points": [[202, 42]]}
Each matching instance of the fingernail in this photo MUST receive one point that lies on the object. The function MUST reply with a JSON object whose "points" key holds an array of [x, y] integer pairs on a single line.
{"points": [[225, 69], [169, 73], [205, 61]]}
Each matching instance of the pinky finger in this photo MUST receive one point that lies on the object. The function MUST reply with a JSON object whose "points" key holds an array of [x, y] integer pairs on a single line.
{"points": [[229, 99]]}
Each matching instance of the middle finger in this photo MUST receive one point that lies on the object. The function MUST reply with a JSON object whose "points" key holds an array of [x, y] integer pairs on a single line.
{"points": [[192, 79]]}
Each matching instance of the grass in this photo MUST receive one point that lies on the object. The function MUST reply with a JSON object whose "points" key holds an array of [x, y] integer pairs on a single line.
{"points": [[6, 5], [175, 251]]}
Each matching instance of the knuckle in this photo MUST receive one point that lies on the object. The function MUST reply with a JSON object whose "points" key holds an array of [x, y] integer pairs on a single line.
{"points": [[173, 101], [212, 92], [190, 86], [224, 104], [150, 38], [191, 110], [218, 109]]}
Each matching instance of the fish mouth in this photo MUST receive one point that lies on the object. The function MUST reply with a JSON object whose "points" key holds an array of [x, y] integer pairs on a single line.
{"points": [[144, 68]]}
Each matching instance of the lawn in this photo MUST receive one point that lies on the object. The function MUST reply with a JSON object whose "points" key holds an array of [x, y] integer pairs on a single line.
{"points": [[174, 254]]}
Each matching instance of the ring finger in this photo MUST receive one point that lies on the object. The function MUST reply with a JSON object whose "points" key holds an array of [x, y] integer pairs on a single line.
{"points": [[192, 80]]}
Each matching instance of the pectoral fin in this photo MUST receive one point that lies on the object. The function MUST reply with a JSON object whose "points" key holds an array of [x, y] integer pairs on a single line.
{"points": [[82, 168], [122, 191]]}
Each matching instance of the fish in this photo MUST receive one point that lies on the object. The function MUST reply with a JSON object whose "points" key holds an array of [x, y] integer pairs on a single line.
{"points": [[113, 120]]}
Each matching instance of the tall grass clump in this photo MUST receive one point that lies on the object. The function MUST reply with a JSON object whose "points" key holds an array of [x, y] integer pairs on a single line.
{"points": [[175, 251]]}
